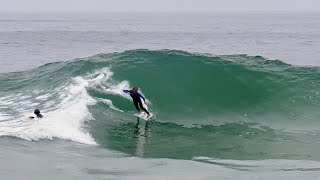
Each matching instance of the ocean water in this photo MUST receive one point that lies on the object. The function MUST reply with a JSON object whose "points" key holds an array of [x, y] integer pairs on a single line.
{"points": [[236, 96]]}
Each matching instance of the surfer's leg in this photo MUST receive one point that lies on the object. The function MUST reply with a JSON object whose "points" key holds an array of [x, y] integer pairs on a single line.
{"points": [[136, 105], [141, 106]]}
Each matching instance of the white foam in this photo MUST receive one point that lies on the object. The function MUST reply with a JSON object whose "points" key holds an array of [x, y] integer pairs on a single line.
{"points": [[3, 117], [5, 102], [118, 90], [109, 103], [43, 97], [64, 115], [64, 123], [65, 120], [100, 76]]}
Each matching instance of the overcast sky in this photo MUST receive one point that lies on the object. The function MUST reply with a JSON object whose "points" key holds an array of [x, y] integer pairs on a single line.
{"points": [[157, 5]]}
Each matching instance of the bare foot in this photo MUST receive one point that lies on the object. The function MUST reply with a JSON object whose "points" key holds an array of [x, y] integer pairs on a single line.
{"points": [[148, 116]]}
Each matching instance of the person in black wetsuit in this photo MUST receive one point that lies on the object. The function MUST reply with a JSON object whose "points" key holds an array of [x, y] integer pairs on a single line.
{"points": [[136, 99], [37, 113]]}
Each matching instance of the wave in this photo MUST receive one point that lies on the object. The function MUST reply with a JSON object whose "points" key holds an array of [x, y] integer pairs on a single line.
{"points": [[228, 98], [194, 86]]}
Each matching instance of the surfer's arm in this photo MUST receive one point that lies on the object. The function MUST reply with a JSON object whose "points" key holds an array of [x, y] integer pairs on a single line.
{"points": [[127, 91], [142, 97]]}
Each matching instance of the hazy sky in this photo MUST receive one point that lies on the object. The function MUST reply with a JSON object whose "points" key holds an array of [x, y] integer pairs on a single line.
{"points": [[158, 5]]}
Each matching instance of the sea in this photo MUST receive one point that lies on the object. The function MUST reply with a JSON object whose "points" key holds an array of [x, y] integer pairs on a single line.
{"points": [[236, 96]]}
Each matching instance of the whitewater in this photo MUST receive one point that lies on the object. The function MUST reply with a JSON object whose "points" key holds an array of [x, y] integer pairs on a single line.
{"points": [[237, 99]]}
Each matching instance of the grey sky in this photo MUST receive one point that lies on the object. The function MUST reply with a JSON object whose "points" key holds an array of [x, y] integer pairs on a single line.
{"points": [[157, 5]]}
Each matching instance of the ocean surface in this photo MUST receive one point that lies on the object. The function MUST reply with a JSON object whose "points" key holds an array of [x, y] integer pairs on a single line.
{"points": [[235, 96]]}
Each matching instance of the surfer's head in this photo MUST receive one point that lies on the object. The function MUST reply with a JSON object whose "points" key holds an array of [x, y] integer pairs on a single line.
{"points": [[135, 89], [37, 111]]}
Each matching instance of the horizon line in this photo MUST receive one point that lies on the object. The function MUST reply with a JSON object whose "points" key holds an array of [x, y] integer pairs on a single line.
{"points": [[154, 12]]}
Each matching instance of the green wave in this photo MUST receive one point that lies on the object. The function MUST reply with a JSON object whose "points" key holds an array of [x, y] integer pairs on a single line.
{"points": [[228, 106], [194, 85]]}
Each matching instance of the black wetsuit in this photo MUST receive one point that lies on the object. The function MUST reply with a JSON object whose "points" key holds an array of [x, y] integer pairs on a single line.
{"points": [[137, 100]]}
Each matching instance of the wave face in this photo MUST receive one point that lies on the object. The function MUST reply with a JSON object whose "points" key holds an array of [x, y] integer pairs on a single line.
{"points": [[230, 106]]}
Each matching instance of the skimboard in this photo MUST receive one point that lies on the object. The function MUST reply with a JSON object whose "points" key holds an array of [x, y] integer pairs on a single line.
{"points": [[144, 115]]}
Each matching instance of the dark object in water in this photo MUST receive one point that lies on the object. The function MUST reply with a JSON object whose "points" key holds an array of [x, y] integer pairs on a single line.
{"points": [[37, 112]]}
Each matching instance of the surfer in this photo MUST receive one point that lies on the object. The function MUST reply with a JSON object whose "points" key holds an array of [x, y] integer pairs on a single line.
{"points": [[37, 113], [136, 99]]}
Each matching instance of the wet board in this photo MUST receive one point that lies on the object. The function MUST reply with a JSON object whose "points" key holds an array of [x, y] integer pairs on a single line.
{"points": [[144, 115]]}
